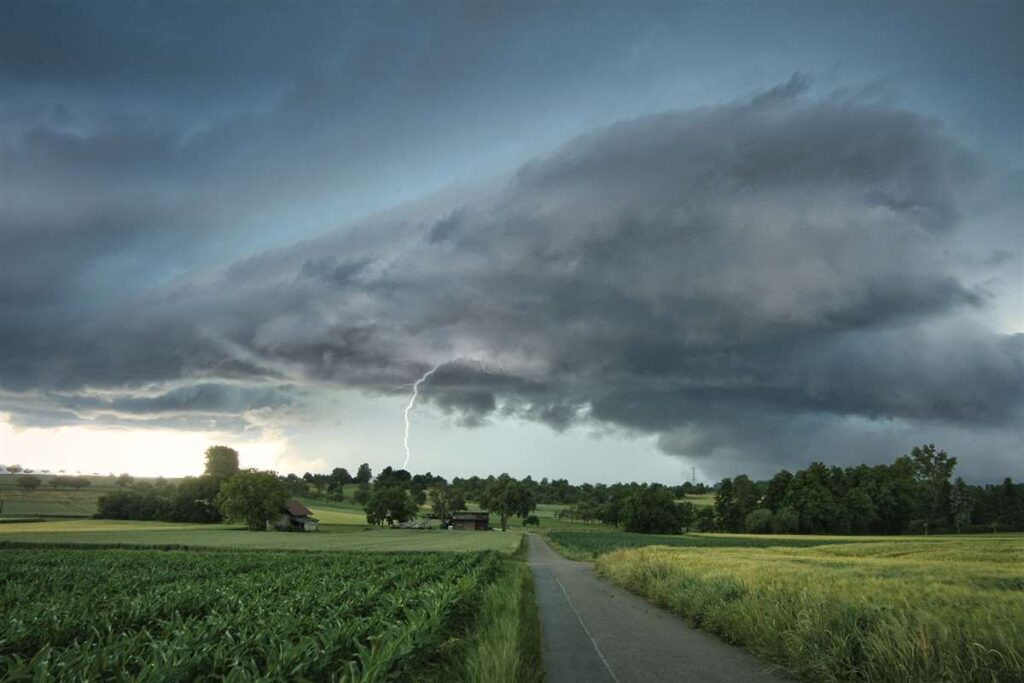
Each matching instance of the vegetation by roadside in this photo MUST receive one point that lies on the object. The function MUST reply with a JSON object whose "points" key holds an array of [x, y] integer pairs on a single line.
{"points": [[506, 647], [897, 610]]}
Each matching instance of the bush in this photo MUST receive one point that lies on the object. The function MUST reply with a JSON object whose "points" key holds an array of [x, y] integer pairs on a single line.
{"points": [[787, 521], [760, 521], [651, 510], [29, 482]]}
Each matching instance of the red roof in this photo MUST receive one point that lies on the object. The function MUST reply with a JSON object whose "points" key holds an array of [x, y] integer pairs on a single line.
{"points": [[297, 509]]}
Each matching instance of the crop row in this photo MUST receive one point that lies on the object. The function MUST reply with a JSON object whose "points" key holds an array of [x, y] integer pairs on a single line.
{"points": [[146, 615]]}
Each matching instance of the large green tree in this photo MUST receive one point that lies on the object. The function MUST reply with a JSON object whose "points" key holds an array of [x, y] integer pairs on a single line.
{"points": [[932, 469], [446, 501], [651, 510], [252, 496], [961, 503], [221, 462], [29, 482], [506, 498], [390, 503], [364, 474]]}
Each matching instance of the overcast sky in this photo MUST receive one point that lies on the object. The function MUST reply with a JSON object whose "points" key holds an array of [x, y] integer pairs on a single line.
{"points": [[633, 239]]}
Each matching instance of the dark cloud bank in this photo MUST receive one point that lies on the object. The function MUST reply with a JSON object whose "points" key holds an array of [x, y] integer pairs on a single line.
{"points": [[758, 282]]}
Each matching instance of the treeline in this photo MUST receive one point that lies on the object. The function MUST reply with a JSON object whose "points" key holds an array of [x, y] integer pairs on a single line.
{"points": [[915, 494], [560, 491], [193, 499]]}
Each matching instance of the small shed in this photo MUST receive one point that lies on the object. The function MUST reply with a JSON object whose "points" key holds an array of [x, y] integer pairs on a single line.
{"points": [[297, 517], [471, 521]]}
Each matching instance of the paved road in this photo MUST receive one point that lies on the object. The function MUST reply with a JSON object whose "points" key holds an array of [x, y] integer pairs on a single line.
{"points": [[595, 632]]}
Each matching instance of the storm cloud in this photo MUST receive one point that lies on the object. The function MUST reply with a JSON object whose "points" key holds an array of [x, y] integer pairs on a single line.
{"points": [[691, 274], [789, 272]]}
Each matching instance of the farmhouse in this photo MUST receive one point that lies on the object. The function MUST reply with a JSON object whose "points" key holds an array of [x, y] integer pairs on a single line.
{"points": [[471, 521], [297, 517]]}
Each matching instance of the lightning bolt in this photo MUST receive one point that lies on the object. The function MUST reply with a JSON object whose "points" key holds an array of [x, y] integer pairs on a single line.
{"points": [[411, 404], [416, 392]]}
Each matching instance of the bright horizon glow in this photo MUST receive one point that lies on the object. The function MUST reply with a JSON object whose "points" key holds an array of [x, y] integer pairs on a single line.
{"points": [[139, 452]]}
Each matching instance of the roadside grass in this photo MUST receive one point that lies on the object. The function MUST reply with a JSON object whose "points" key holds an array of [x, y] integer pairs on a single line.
{"points": [[330, 537], [506, 647], [936, 609]]}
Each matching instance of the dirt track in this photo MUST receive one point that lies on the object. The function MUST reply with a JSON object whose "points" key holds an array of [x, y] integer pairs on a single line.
{"points": [[595, 632]]}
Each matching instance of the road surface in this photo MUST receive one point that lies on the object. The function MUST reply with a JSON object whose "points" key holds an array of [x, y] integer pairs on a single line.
{"points": [[595, 632]]}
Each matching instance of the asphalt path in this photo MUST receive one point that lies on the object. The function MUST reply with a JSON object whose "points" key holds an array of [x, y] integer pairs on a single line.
{"points": [[595, 632]]}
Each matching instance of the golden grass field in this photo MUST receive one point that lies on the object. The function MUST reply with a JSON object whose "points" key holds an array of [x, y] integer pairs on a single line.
{"points": [[937, 609]]}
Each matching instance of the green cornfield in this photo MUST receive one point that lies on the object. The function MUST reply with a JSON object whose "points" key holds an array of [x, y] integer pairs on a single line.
{"points": [[146, 615], [895, 611]]}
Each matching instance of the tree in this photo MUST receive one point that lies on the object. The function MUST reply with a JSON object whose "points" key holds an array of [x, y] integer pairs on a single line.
{"points": [[446, 501], [728, 515], [760, 521], [651, 510], [339, 477], [78, 483], [390, 503], [14, 469], [507, 497], [686, 514], [29, 482], [252, 496], [932, 469], [1010, 505], [221, 462], [194, 500], [362, 494], [776, 492], [705, 519], [858, 510], [786, 521], [125, 480], [961, 503], [392, 476], [364, 474]]}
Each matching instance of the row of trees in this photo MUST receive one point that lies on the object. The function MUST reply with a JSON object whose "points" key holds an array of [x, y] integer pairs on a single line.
{"points": [[193, 499], [31, 482], [396, 496], [915, 494]]}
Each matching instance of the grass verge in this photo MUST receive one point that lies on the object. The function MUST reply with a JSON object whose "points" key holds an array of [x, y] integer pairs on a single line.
{"points": [[892, 611], [506, 647]]}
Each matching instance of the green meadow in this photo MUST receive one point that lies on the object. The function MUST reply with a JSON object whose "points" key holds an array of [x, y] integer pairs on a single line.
{"points": [[330, 537]]}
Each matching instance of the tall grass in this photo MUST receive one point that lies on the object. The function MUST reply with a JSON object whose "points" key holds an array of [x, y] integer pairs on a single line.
{"points": [[506, 647], [904, 611]]}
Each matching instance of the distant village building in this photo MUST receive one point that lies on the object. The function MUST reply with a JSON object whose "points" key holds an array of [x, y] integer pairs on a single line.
{"points": [[297, 517], [471, 521]]}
